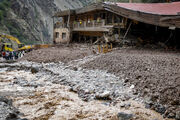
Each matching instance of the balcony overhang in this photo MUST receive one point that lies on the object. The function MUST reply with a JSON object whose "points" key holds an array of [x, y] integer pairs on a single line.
{"points": [[93, 7], [64, 13], [91, 29]]}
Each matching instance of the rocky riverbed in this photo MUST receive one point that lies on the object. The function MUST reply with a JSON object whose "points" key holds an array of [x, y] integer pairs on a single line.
{"points": [[56, 91], [87, 85]]}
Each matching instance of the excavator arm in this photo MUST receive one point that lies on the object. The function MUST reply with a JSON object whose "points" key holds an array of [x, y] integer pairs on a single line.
{"points": [[11, 38], [16, 43]]}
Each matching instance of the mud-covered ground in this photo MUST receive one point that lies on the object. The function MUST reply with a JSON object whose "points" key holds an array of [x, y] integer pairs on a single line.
{"points": [[61, 53], [155, 74], [53, 91], [123, 80]]}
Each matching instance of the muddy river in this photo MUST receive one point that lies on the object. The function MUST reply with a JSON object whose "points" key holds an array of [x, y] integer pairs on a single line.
{"points": [[55, 91]]}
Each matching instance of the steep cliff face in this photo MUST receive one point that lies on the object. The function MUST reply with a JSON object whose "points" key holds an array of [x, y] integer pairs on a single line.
{"points": [[30, 20]]}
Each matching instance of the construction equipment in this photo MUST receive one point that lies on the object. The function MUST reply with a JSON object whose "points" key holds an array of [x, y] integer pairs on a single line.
{"points": [[6, 47], [10, 43]]}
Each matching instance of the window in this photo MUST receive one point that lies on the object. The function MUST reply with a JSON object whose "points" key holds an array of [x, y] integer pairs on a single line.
{"points": [[63, 35], [57, 34]]}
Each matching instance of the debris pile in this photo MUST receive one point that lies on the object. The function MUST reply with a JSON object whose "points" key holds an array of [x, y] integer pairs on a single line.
{"points": [[155, 75], [56, 54]]}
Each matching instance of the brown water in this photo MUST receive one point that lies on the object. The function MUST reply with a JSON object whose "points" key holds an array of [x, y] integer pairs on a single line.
{"points": [[55, 102]]}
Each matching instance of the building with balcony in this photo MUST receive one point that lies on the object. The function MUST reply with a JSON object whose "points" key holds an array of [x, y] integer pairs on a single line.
{"points": [[108, 19]]}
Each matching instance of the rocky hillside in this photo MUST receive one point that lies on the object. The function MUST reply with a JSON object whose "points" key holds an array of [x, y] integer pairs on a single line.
{"points": [[30, 20]]}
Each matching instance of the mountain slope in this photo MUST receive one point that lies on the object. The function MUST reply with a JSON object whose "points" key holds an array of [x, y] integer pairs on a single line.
{"points": [[30, 20]]}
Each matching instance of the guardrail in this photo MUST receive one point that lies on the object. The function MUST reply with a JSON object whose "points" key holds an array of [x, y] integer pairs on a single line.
{"points": [[92, 23]]}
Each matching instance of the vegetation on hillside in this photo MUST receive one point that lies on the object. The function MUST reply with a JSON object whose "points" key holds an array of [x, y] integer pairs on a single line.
{"points": [[4, 7], [7, 25]]}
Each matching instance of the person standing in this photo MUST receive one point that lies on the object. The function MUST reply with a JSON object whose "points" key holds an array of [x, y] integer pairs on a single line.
{"points": [[15, 55], [10, 55], [4, 54], [7, 55]]}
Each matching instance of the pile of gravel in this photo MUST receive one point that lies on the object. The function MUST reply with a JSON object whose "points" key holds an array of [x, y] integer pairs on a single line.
{"points": [[56, 54], [155, 74]]}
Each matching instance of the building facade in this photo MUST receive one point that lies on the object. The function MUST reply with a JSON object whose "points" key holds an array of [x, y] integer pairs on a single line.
{"points": [[106, 20]]}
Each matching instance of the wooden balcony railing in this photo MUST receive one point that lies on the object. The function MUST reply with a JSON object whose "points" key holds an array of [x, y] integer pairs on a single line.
{"points": [[85, 24]]}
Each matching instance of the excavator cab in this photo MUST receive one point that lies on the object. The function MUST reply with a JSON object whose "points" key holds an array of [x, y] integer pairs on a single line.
{"points": [[6, 47], [21, 45]]}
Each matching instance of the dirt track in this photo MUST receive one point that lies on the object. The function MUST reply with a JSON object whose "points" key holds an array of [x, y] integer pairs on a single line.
{"points": [[155, 74]]}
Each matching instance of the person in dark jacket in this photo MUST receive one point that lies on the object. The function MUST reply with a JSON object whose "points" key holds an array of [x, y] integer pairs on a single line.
{"points": [[10, 55]]}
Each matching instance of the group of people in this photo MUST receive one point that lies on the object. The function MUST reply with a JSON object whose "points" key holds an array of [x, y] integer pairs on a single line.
{"points": [[12, 55]]}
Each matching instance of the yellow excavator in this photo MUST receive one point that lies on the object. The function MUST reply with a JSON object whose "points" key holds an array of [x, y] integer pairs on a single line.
{"points": [[10, 43]]}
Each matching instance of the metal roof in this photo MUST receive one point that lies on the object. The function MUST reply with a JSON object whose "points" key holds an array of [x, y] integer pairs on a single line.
{"points": [[153, 8]]}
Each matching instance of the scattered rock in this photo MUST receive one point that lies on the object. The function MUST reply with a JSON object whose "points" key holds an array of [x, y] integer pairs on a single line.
{"points": [[171, 115], [103, 96], [124, 116], [148, 104], [125, 105], [5, 100], [12, 116], [159, 108], [126, 80], [122, 105], [7, 111], [135, 92], [178, 115], [132, 87], [128, 105], [34, 70], [175, 102], [75, 68]]}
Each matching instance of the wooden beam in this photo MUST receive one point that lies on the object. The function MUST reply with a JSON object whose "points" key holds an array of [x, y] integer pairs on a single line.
{"points": [[92, 29], [127, 30], [92, 34]]}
